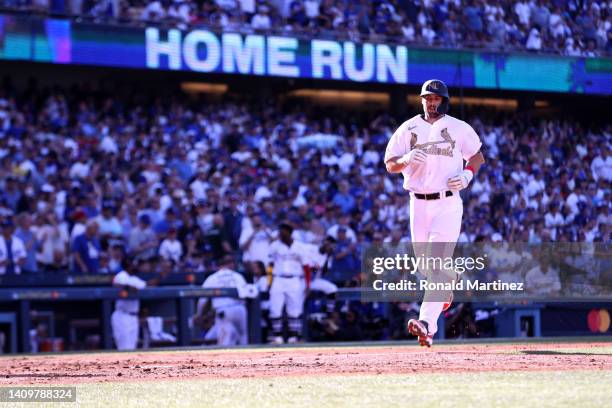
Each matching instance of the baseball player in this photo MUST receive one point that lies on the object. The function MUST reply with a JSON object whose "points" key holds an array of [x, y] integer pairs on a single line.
{"points": [[430, 150], [288, 288], [125, 320], [230, 313]]}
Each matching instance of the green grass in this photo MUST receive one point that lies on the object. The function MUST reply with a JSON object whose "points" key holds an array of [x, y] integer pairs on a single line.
{"points": [[491, 389], [485, 389]]}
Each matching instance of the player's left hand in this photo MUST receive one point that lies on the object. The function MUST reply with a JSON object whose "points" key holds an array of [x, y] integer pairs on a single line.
{"points": [[460, 181]]}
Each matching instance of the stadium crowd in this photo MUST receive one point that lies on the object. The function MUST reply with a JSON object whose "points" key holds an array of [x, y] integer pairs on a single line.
{"points": [[87, 179], [574, 27]]}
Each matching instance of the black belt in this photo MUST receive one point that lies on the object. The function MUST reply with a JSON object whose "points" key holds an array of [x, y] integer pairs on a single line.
{"points": [[432, 196], [286, 276]]}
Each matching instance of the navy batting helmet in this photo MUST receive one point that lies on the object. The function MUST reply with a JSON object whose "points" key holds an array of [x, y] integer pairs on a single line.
{"points": [[437, 87]]}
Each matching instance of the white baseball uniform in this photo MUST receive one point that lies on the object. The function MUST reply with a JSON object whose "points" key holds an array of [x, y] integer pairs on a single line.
{"points": [[288, 285], [447, 143], [124, 319], [230, 313]]}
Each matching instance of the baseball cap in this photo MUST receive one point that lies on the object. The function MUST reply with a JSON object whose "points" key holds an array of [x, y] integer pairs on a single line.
{"points": [[145, 219], [496, 237]]}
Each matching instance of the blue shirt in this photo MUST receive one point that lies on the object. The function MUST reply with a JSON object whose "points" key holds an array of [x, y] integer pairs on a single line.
{"points": [[30, 261], [346, 202], [89, 250]]}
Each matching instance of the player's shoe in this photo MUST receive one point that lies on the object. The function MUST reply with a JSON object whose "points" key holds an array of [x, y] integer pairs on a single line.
{"points": [[277, 340], [426, 341], [293, 340], [420, 329]]}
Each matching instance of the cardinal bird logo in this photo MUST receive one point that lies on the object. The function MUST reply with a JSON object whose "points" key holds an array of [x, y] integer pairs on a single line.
{"points": [[433, 147], [447, 137]]}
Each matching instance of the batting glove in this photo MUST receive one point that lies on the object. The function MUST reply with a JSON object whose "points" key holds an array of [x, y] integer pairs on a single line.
{"points": [[460, 181], [414, 157]]}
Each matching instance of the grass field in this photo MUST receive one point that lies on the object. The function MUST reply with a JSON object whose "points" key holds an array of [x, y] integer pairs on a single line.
{"points": [[482, 375], [499, 389]]}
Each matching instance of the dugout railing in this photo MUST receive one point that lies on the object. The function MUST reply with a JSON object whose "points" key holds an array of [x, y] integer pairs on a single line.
{"points": [[17, 303]]}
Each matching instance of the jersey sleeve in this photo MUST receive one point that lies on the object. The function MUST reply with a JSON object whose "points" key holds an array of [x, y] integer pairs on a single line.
{"points": [[471, 143], [396, 147], [125, 279], [239, 279]]}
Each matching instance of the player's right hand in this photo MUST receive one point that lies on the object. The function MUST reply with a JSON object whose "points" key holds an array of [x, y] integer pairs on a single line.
{"points": [[414, 157]]}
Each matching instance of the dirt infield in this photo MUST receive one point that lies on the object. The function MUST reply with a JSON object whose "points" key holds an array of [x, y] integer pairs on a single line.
{"points": [[246, 363]]}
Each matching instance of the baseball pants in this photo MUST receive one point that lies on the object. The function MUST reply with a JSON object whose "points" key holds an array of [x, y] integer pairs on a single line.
{"points": [[231, 324], [287, 292], [125, 330], [435, 226]]}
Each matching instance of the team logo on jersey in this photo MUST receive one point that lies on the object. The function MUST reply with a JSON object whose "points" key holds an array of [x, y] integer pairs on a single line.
{"points": [[447, 137], [433, 148], [413, 140]]}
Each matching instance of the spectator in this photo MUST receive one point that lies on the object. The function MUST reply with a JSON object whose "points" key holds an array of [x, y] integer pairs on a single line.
{"points": [[12, 250], [553, 218], [53, 238], [255, 240], [86, 250], [163, 226], [80, 218], [344, 199], [248, 6], [543, 279], [433, 22], [261, 20], [473, 18], [540, 15], [534, 42], [344, 262], [171, 248], [25, 233], [142, 243], [11, 194], [154, 11], [523, 12], [110, 227]]}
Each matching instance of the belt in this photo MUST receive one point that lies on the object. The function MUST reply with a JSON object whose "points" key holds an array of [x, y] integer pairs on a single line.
{"points": [[130, 313], [288, 276], [432, 196]]}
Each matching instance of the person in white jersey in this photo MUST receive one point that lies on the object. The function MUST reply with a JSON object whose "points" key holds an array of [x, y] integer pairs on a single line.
{"points": [[430, 150], [230, 313], [125, 319], [288, 289]]}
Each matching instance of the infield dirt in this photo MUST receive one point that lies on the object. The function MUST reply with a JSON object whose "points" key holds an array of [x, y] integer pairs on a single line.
{"points": [[300, 361]]}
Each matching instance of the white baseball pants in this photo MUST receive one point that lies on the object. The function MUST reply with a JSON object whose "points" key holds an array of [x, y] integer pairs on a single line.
{"points": [[435, 226], [231, 324], [125, 330]]}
